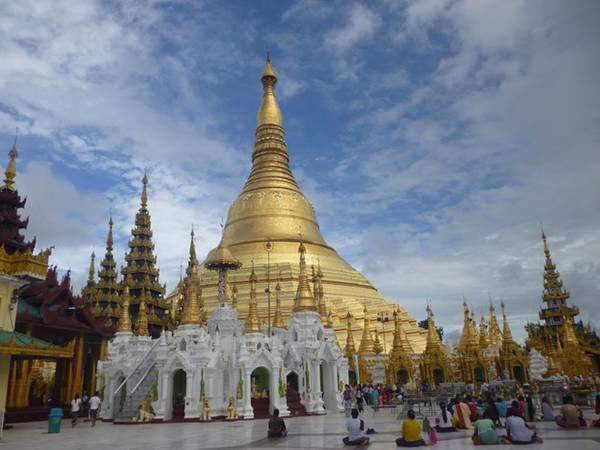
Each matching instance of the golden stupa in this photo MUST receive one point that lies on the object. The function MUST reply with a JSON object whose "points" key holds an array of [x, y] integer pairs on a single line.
{"points": [[264, 227]]}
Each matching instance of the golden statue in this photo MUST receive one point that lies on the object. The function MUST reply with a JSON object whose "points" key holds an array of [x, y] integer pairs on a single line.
{"points": [[205, 411], [145, 413], [231, 410]]}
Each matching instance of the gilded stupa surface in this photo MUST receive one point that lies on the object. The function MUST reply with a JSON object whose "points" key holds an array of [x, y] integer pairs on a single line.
{"points": [[272, 209]]}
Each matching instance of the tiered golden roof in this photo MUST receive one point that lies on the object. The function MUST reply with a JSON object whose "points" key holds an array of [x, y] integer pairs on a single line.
{"points": [[367, 346], [272, 208], [400, 368], [512, 358], [192, 300], [495, 335], [435, 365], [350, 348], [141, 266]]}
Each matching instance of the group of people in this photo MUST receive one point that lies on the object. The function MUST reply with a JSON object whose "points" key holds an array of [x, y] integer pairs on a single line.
{"points": [[85, 406], [373, 396]]}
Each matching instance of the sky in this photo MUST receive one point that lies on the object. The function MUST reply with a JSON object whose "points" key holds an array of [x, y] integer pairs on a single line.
{"points": [[434, 137]]}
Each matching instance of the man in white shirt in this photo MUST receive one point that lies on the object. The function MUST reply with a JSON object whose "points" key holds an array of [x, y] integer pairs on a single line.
{"points": [[75, 408], [95, 403]]}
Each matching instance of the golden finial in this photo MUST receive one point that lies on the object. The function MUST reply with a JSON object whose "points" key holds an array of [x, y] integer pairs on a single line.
{"points": [[366, 343], [11, 169], [483, 335], [252, 322], [269, 112], [142, 319], [506, 333], [125, 320], [278, 321], [193, 260], [546, 248], [319, 294], [109, 237], [144, 190], [433, 338], [304, 300]]}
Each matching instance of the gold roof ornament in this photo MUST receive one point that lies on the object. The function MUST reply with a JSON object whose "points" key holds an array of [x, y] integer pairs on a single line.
{"points": [[192, 309], [252, 322], [569, 336], [92, 269], [192, 260], [366, 343], [221, 257], [304, 300], [350, 348], [144, 196], [269, 112], [320, 295], [11, 169], [125, 320], [142, 319], [506, 333], [278, 321]]}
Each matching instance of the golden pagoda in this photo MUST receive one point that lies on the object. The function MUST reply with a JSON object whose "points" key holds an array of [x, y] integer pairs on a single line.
{"points": [[192, 313], [272, 208], [568, 351], [473, 364], [400, 368], [512, 359], [252, 322], [141, 268], [278, 321], [494, 335], [435, 364]]}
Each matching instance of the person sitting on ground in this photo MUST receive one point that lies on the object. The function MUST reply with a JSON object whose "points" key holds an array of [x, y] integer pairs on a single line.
{"points": [[547, 410], [356, 428], [491, 412], [443, 420], [411, 432], [501, 407], [472, 408], [517, 431], [461, 418], [276, 426], [570, 415], [514, 410], [485, 433]]}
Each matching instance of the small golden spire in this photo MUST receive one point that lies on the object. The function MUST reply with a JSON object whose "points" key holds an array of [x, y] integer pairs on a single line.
{"points": [[193, 260], [304, 300], [494, 335], [269, 112], [366, 343], [350, 347], [506, 333], [109, 237], [377, 348], [483, 335], [92, 270], [546, 248], [144, 191], [433, 338], [319, 294], [278, 321], [125, 320], [11, 169], [252, 322], [569, 337], [142, 319], [192, 309]]}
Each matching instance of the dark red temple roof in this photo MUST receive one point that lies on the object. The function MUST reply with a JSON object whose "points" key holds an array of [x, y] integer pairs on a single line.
{"points": [[11, 223], [52, 305]]}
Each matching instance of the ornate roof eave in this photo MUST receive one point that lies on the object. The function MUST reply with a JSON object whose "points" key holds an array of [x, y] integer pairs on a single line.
{"points": [[24, 264], [20, 344]]}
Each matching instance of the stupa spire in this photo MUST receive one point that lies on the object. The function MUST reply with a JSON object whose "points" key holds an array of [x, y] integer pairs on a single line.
{"points": [[366, 342], [252, 323], [234, 299], [304, 300], [506, 333], [494, 335], [11, 169], [192, 260], [107, 289], [269, 112], [192, 310], [350, 348], [433, 338], [483, 335], [125, 320], [320, 295]]}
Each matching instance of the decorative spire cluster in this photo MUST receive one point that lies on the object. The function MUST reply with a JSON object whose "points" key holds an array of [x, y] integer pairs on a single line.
{"points": [[106, 298], [278, 321], [366, 343], [494, 335], [193, 308], [125, 320], [350, 348]]}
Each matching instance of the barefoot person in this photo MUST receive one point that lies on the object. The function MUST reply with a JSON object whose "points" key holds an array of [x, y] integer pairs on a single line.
{"points": [[356, 428], [276, 426], [94, 404], [75, 410], [411, 432]]}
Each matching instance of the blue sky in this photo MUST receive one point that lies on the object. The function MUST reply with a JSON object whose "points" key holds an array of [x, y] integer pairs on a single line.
{"points": [[433, 137]]}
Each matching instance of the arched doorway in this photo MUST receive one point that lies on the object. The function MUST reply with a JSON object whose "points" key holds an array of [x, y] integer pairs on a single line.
{"points": [[260, 392], [179, 391], [479, 374], [352, 377], [438, 376], [293, 395], [519, 374], [402, 377]]}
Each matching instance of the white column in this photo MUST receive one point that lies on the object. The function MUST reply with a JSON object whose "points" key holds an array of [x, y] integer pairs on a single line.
{"points": [[248, 411], [190, 394]]}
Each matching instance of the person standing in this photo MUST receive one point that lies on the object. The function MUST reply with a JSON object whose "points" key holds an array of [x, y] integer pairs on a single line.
{"points": [[95, 403], [347, 400], [75, 409]]}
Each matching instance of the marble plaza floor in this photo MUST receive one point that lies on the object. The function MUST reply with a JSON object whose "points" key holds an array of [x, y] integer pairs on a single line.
{"points": [[314, 432]]}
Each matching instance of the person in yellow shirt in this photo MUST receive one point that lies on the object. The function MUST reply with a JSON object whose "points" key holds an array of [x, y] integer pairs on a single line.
{"points": [[411, 432]]}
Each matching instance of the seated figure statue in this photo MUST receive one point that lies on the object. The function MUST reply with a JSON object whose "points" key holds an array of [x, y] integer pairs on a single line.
{"points": [[205, 410], [145, 412]]}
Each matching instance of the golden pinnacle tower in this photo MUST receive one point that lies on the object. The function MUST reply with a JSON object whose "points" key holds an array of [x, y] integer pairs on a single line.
{"points": [[272, 208], [141, 269]]}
